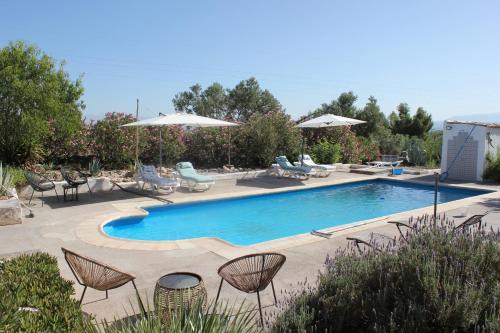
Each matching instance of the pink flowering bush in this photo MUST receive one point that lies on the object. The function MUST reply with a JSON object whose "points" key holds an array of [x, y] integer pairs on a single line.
{"points": [[112, 144]]}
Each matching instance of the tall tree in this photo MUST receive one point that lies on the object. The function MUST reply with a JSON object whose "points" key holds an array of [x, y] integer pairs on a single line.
{"points": [[247, 99], [39, 105], [375, 119], [403, 123], [421, 123], [215, 101], [190, 101], [239, 103], [342, 106]]}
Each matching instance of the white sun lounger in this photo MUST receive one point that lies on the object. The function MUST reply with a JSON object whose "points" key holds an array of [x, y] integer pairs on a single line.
{"points": [[288, 170], [148, 175], [191, 179], [322, 170], [382, 164]]}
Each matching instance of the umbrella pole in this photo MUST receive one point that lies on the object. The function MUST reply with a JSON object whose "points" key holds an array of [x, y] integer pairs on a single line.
{"points": [[229, 153], [161, 144], [137, 137], [302, 149]]}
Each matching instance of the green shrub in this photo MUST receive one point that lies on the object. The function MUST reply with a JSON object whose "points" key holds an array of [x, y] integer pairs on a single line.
{"points": [[33, 281], [432, 146], [17, 174], [438, 282], [326, 152], [368, 149], [265, 136], [390, 144], [492, 170], [193, 319], [416, 152]]}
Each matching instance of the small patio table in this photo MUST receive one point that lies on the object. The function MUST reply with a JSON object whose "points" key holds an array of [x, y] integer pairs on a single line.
{"points": [[176, 290]]}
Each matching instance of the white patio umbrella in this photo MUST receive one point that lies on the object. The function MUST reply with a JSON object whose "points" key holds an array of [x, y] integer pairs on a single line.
{"points": [[180, 119], [326, 120], [329, 120]]}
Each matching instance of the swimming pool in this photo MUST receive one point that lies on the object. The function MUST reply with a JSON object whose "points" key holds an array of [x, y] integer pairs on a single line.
{"points": [[259, 218]]}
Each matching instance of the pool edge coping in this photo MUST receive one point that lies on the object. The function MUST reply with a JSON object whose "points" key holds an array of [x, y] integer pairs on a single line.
{"points": [[87, 232]]}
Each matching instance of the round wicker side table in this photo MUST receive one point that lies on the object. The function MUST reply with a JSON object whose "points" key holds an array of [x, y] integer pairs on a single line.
{"points": [[176, 290]]}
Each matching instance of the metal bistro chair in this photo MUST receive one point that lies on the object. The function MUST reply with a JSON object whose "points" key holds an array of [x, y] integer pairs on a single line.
{"points": [[39, 183], [252, 274], [74, 178], [91, 273]]}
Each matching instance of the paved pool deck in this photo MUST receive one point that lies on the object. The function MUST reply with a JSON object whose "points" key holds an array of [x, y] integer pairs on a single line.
{"points": [[75, 225]]}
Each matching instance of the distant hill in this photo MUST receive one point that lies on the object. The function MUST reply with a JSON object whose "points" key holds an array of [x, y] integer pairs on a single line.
{"points": [[484, 117]]}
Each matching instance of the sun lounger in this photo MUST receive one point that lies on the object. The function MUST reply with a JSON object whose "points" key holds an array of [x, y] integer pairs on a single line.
{"points": [[322, 170], [471, 221], [148, 175], [289, 170], [404, 227], [191, 179], [382, 164], [375, 241]]}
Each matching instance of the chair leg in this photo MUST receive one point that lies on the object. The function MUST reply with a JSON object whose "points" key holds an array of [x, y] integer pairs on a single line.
{"points": [[274, 293], [260, 309], [90, 191], [218, 292], [140, 300], [42, 198], [106, 294], [57, 195], [83, 294], [29, 203]]}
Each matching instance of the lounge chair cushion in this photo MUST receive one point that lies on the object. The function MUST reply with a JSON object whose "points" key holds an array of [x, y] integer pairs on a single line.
{"points": [[187, 172], [184, 165], [286, 165]]}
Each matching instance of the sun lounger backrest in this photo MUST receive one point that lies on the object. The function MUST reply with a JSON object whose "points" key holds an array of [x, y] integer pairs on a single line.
{"points": [[283, 162], [148, 172], [185, 168]]}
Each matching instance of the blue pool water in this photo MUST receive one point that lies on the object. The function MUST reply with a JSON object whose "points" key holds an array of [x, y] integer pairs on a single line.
{"points": [[254, 219]]}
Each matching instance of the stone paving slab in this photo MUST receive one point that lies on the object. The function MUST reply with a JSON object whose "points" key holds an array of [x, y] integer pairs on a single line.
{"points": [[65, 224]]}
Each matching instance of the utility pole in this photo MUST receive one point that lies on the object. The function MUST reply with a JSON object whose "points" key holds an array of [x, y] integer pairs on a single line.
{"points": [[137, 137]]}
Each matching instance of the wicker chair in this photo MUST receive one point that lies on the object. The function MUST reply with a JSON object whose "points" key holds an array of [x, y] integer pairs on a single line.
{"points": [[252, 274], [74, 178], [91, 273], [39, 183]]}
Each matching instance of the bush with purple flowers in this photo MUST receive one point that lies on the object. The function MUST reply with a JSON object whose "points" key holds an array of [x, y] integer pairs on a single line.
{"points": [[439, 280]]}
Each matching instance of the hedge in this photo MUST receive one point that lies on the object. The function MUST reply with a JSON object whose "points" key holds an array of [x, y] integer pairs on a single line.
{"points": [[33, 282]]}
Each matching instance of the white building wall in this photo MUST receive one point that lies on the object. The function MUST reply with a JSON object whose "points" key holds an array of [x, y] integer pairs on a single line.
{"points": [[451, 130]]}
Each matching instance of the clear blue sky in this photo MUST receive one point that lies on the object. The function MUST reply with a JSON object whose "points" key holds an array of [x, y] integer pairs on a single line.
{"points": [[442, 55]]}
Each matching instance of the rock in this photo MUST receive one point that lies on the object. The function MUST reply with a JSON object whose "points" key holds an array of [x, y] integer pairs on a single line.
{"points": [[10, 211]]}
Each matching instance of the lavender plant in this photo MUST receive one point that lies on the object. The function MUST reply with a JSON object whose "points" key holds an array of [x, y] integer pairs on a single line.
{"points": [[437, 280]]}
